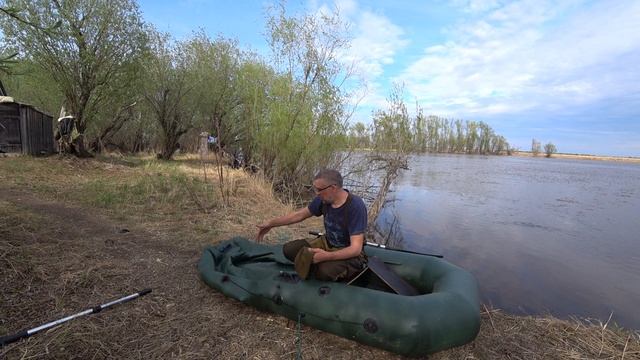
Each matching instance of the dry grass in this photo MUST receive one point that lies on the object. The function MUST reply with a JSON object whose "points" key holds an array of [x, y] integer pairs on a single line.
{"points": [[63, 248], [504, 336]]}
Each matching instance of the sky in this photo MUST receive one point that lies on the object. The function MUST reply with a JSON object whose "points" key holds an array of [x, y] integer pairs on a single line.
{"points": [[565, 71]]}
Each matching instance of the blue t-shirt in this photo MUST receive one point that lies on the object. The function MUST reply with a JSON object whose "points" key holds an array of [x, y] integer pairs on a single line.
{"points": [[334, 220]]}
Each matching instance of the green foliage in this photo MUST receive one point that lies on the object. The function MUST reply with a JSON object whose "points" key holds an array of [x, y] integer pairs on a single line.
{"points": [[6, 61], [168, 90], [136, 89], [218, 99], [550, 149], [359, 136], [301, 126], [394, 129], [254, 79], [29, 83], [85, 46]]}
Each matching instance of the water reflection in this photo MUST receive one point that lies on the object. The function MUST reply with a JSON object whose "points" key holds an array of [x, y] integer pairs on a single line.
{"points": [[388, 230], [541, 235]]}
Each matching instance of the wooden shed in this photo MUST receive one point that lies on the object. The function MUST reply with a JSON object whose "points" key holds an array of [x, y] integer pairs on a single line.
{"points": [[24, 129]]}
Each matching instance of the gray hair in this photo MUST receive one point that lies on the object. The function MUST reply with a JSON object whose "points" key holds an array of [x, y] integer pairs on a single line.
{"points": [[332, 176]]}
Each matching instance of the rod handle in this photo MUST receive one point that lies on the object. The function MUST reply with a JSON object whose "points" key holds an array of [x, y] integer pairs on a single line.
{"points": [[8, 339], [144, 292]]}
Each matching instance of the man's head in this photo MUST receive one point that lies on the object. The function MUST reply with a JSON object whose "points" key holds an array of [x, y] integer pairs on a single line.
{"points": [[327, 184]]}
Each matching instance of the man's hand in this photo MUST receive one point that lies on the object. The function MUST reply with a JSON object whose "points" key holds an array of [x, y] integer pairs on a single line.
{"points": [[291, 218], [263, 229], [319, 255], [353, 250]]}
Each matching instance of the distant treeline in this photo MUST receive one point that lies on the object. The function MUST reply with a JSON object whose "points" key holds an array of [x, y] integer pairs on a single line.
{"points": [[393, 128], [431, 134]]}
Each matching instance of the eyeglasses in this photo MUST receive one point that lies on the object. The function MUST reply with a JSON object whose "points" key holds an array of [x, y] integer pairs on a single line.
{"points": [[317, 191]]}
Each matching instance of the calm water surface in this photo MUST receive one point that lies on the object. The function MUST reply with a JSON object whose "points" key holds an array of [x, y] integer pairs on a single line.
{"points": [[540, 235]]}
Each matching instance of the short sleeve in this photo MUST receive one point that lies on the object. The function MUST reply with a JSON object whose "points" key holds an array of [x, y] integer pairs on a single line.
{"points": [[357, 217], [315, 207]]}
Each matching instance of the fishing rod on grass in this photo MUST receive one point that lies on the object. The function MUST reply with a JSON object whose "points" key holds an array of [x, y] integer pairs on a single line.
{"points": [[7, 339], [316, 233]]}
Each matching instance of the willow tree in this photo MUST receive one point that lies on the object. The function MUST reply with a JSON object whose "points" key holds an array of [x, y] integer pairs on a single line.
{"points": [[31, 84], [359, 135], [8, 58], [393, 140], [168, 90], [550, 149], [6, 61], [216, 64], [253, 84], [85, 45], [420, 131], [305, 119]]}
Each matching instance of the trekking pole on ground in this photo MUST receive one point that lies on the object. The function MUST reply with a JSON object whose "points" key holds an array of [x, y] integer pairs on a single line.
{"points": [[4, 340], [316, 233]]}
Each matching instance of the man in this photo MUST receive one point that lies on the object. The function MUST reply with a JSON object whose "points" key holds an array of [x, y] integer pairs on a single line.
{"points": [[338, 255]]}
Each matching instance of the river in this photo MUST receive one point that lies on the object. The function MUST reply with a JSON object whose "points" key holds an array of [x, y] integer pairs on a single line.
{"points": [[541, 235]]}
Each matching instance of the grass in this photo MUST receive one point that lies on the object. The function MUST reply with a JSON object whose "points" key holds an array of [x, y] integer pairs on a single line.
{"points": [[75, 233]]}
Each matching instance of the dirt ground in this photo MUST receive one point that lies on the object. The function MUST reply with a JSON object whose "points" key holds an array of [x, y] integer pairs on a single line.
{"points": [[78, 258], [59, 254]]}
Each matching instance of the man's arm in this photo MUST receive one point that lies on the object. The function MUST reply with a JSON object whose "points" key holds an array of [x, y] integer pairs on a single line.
{"points": [[353, 250], [291, 218]]}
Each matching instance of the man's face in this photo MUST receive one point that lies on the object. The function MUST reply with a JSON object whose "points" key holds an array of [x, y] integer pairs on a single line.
{"points": [[325, 190]]}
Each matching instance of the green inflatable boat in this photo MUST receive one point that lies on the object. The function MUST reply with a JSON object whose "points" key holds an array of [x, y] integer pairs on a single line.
{"points": [[445, 313]]}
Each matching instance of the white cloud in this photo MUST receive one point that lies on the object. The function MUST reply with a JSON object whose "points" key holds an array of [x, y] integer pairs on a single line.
{"points": [[347, 7], [375, 43], [530, 55], [476, 6]]}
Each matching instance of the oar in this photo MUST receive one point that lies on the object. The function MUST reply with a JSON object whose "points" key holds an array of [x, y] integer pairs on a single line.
{"points": [[400, 250], [316, 233], [4, 340]]}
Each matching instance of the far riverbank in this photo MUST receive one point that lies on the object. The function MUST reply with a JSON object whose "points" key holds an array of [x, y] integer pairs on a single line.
{"points": [[630, 159]]}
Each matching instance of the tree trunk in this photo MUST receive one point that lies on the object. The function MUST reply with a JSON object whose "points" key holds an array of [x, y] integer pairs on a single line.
{"points": [[169, 148], [80, 147]]}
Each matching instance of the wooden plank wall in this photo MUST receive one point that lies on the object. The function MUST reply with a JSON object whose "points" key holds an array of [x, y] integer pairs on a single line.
{"points": [[37, 131], [26, 130], [10, 140]]}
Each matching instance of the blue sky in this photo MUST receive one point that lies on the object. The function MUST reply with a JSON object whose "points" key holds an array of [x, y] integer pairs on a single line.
{"points": [[565, 72]]}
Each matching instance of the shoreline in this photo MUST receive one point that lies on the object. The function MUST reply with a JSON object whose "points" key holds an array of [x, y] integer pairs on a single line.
{"points": [[627, 159]]}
